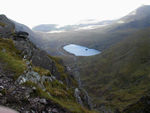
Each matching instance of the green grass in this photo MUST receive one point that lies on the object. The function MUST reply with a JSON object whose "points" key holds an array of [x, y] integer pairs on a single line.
{"points": [[2, 24], [60, 95], [10, 57], [42, 71], [121, 74], [61, 70]]}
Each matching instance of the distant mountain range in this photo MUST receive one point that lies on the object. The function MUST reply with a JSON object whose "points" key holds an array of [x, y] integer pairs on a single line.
{"points": [[99, 38], [90, 24], [118, 79], [137, 19], [131, 20], [119, 76]]}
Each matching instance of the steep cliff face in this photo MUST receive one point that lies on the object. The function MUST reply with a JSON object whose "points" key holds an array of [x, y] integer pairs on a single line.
{"points": [[31, 80], [6, 26]]}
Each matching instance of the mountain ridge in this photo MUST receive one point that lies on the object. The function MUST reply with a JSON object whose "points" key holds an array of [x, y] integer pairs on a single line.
{"points": [[99, 38], [118, 77], [34, 80], [55, 27]]}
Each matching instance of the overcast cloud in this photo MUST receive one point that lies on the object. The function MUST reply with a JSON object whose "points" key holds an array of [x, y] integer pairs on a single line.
{"points": [[35, 12]]}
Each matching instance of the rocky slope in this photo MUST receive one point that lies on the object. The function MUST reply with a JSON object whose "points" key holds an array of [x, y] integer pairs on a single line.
{"points": [[118, 77], [31, 80]]}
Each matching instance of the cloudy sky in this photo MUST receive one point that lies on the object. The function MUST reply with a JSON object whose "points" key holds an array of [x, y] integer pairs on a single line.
{"points": [[35, 12]]}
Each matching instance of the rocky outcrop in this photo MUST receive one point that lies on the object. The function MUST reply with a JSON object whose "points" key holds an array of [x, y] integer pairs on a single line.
{"points": [[22, 99], [77, 95], [32, 36], [82, 97], [6, 26], [45, 82], [38, 57], [21, 34]]}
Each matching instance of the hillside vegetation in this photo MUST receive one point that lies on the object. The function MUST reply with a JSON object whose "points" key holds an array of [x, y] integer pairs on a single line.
{"points": [[33, 81], [55, 91], [120, 75], [99, 38], [10, 56]]}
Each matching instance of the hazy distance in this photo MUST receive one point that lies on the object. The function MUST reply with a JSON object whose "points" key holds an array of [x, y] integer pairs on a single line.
{"points": [[63, 12]]}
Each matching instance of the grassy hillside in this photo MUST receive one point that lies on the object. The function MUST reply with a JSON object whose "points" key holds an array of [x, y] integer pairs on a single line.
{"points": [[9, 56], [13, 65], [100, 38], [120, 75], [96, 39]]}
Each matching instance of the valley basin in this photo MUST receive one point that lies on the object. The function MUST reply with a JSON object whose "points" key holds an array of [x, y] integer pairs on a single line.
{"points": [[78, 50]]}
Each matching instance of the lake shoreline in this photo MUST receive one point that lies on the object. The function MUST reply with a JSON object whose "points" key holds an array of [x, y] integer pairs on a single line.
{"points": [[78, 50]]}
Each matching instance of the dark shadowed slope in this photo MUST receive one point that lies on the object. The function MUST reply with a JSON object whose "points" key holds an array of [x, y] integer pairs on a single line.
{"points": [[119, 76]]}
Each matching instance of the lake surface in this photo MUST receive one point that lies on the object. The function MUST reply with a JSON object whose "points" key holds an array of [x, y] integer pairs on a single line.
{"points": [[78, 50]]}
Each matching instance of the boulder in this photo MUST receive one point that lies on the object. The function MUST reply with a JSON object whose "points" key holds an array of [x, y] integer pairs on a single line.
{"points": [[20, 35]]}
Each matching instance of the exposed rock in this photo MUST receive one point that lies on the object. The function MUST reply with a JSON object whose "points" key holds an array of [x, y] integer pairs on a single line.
{"points": [[86, 99], [55, 110], [35, 78], [21, 34], [36, 56], [1, 87], [77, 95], [6, 27], [25, 97], [40, 58], [82, 98], [43, 101], [11, 89], [19, 97], [3, 50]]}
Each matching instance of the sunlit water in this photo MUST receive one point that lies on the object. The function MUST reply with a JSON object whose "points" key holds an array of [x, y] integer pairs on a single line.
{"points": [[78, 50]]}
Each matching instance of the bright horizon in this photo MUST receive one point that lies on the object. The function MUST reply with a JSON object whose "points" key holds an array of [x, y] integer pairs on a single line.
{"points": [[64, 12]]}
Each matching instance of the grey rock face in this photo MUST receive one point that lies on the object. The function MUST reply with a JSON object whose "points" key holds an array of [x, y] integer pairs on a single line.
{"points": [[77, 95], [82, 98], [6, 26], [3, 50], [87, 99], [32, 36], [38, 57], [34, 77], [28, 50], [13, 94], [19, 97], [43, 101], [29, 76]]}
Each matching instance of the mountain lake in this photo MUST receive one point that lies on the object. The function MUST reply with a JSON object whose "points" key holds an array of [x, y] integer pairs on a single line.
{"points": [[78, 50]]}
